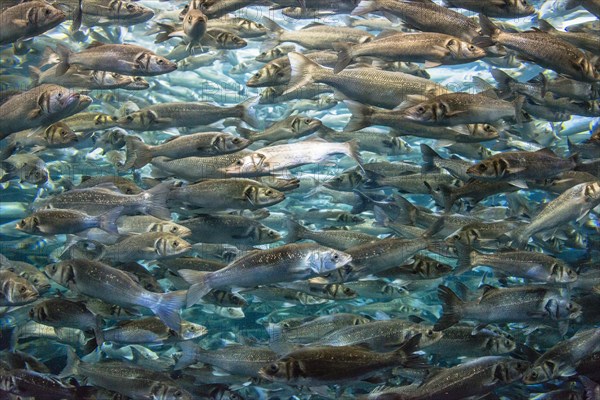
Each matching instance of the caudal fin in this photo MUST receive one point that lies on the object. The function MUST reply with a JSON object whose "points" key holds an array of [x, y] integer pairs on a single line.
{"points": [[344, 57], [488, 29], [138, 153], [464, 253], [353, 151], [429, 155], [365, 7], [156, 203], [63, 53], [303, 71], [72, 364], [167, 308], [504, 81], [188, 355], [451, 305], [249, 113], [448, 196], [108, 220], [295, 231], [360, 116], [199, 285], [407, 353]]}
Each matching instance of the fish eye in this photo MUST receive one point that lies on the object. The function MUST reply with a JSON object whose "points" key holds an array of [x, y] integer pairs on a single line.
{"points": [[239, 162], [23, 289], [177, 393], [335, 257], [173, 229], [349, 291], [48, 11], [175, 243], [534, 374], [420, 109], [482, 167], [507, 343], [160, 62], [570, 306], [129, 118], [430, 332], [192, 328], [257, 75], [59, 95], [268, 192], [273, 367], [235, 140], [190, 18], [487, 128]]}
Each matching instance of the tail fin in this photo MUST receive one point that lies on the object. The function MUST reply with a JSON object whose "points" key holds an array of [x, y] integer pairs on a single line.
{"points": [[504, 80], [429, 155], [138, 153], [451, 304], [447, 195], [167, 308], [303, 71], [63, 53], [545, 26], [344, 57], [98, 332], [245, 132], [34, 75], [406, 353], [188, 355], [77, 17], [108, 220], [272, 25], [295, 231], [72, 364], [156, 203], [360, 116], [353, 151], [274, 33], [365, 7], [275, 332], [465, 254], [249, 114], [165, 31], [199, 284], [488, 28]]}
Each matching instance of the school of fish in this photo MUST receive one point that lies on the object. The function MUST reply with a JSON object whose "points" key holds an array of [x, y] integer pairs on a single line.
{"points": [[300, 199]]}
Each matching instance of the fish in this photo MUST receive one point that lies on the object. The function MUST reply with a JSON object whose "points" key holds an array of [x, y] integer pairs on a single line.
{"points": [[99, 280], [56, 221], [24, 21], [16, 290], [286, 263]]}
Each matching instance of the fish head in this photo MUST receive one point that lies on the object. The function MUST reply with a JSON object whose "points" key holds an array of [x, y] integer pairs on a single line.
{"points": [[461, 50], [194, 24], [425, 112], [494, 168], [8, 383], [304, 125], [171, 245], [260, 196], [61, 272], [540, 373], [560, 272], [167, 391], [29, 224], [170, 227], [522, 7], [20, 291], [559, 308], [587, 71], [287, 369], [190, 330], [484, 131], [227, 143], [230, 41], [500, 344], [268, 235], [323, 261], [339, 291], [135, 11], [591, 192], [41, 16], [429, 336], [267, 75], [35, 175], [37, 279], [511, 370], [60, 134], [230, 312], [137, 83], [251, 165], [153, 64]]}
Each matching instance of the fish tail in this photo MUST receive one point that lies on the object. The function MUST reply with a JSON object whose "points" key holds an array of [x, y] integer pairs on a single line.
{"points": [[167, 308], [590, 388], [488, 29], [303, 71], [34, 75], [157, 200], [73, 362], [407, 211], [451, 308], [77, 17], [275, 332], [353, 151], [63, 53], [465, 254], [504, 80], [447, 196], [360, 116], [406, 353], [199, 285], [429, 155], [249, 113], [245, 132], [344, 56], [381, 217], [164, 32], [108, 220], [520, 114], [274, 34], [365, 7], [138, 153], [98, 332], [295, 231], [545, 26], [188, 355]]}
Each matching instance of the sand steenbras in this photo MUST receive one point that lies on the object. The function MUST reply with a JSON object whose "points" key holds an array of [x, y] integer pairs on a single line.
{"points": [[249, 199]]}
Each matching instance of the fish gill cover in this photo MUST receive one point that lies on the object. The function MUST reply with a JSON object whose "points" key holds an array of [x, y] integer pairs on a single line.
{"points": [[299, 199]]}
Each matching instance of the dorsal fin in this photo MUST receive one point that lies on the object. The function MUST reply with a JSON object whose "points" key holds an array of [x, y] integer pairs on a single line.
{"points": [[95, 44]]}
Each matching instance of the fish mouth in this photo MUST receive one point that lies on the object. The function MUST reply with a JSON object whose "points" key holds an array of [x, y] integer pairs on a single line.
{"points": [[44, 287]]}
